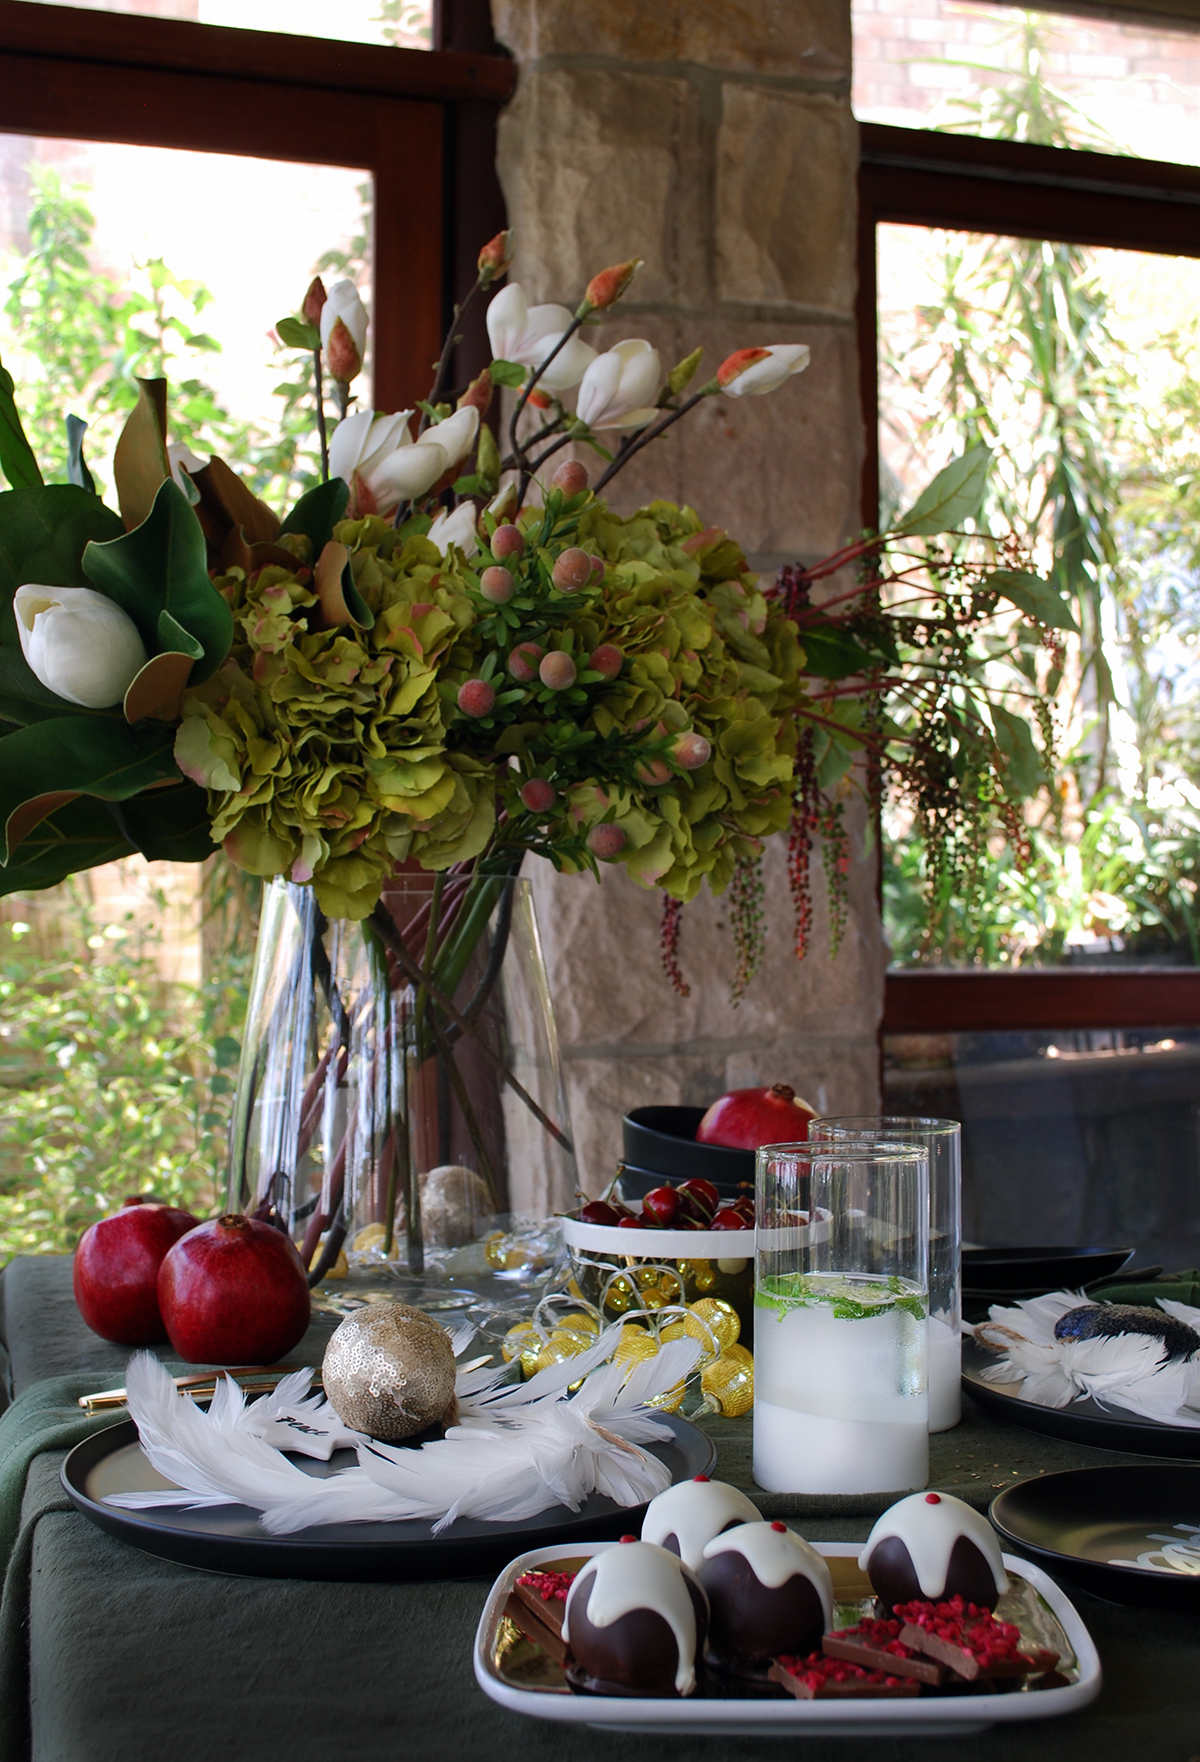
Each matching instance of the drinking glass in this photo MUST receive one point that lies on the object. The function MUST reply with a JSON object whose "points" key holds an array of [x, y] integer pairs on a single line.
{"points": [[943, 1142], [840, 1318]]}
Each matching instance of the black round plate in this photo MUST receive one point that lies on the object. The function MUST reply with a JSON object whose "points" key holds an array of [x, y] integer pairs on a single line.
{"points": [[228, 1538], [1104, 1428], [1091, 1524], [1028, 1272], [662, 1141]]}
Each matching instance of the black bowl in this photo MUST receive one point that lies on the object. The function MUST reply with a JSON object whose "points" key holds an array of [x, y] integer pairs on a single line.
{"points": [[1089, 1525], [1025, 1272], [661, 1142]]}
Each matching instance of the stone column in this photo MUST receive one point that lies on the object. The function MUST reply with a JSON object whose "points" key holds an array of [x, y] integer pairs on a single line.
{"points": [[714, 139]]}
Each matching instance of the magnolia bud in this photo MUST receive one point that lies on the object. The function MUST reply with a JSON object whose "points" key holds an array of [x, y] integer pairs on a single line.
{"points": [[314, 300], [343, 331], [606, 288], [557, 671], [476, 698], [606, 841], [478, 394], [78, 643], [495, 257], [341, 356], [738, 362]]}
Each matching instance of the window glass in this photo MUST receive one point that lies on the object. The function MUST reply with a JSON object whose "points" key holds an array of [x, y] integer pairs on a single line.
{"points": [[1076, 1138], [405, 24], [1080, 368], [119, 261], [1128, 88]]}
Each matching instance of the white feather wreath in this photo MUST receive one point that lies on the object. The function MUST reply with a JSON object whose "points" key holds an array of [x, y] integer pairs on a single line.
{"points": [[515, 1451], [1121, 1370]]}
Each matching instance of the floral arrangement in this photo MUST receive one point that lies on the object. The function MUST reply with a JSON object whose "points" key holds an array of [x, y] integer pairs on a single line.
{"points": [[448, 655]]}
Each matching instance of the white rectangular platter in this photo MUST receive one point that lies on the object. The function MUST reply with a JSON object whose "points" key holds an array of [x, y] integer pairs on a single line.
{"points": [[955, 1716]]}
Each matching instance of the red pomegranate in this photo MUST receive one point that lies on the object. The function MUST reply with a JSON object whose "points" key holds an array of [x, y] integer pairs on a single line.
{"points": [[116, 1270], [233, 1291], [746, 1118]]}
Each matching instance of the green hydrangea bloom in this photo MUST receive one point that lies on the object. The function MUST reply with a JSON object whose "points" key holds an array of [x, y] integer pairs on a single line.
{"points": [[331, 751]]}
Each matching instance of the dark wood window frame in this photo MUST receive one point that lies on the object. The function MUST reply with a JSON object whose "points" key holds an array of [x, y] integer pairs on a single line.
{"points": [[920, 178], [422, 123]]}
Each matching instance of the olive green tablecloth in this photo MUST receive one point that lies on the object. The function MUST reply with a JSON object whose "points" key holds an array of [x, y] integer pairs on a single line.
{"points": [[131, 1659]]}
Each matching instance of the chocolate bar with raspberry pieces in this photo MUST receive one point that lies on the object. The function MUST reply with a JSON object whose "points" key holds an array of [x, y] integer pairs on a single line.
{"points": [[536, 1604], [818, 1678], [969, 1640], [876, 1645]]}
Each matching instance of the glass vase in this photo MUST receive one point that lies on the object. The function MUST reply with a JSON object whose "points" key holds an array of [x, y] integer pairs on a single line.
{"points": [[399, 1092]]}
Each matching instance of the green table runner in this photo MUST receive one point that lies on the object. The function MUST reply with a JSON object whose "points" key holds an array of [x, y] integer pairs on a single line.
{"points": [[131, 1658]]}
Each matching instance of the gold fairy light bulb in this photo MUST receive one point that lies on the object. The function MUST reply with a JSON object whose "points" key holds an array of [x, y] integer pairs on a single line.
{"points": [[712, 1318], [563, 1343], [581, 1322], [728, 1383], [635, 1346], [671, 1400], [518, 1340], [673, 1331]]}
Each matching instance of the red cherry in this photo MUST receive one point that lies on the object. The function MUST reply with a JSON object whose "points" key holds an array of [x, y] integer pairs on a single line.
{"points": [[746, 1118], [115, 1274], [633, 1223], [661, 1204], [689, 1223], [233, 1291], [596, 1211], [704, 1192], [730, 1218]]}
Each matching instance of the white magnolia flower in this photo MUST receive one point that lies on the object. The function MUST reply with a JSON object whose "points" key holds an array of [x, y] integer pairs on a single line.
{"points": [[343, 302], [527, 334], [456, 435], [390, 464], [619, 387], [457, 528], [783, 359], [79, 643]]}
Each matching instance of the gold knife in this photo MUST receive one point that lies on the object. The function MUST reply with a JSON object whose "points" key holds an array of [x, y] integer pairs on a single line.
{"points": [[204, 1383]]}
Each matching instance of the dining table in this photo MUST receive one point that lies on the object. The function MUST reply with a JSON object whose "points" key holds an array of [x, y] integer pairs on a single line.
{"points": [[111, 1654]]}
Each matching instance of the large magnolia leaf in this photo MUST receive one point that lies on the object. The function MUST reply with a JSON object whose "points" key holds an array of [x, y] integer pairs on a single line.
{"points": [[170, 825], [953, 497], [16, 455], [318, 512], [140, 461], [834, 654], [80, 835], [1039, 598], [48, 764], [161, 567]]}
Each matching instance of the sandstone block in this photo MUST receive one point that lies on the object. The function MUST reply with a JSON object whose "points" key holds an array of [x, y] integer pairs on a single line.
{"points": [[801, 38], [785, 233], [598, 167]]}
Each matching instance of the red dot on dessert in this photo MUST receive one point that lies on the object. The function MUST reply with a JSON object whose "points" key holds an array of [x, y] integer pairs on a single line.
{"points": [[629, 1538], [781, 1528], [701, 1477], [933, 1498]]}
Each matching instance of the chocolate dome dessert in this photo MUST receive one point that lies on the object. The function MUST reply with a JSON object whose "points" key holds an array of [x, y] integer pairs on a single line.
{"points": [[769, 1594], [635, 1621], [686, 1517], [930, 1547]]}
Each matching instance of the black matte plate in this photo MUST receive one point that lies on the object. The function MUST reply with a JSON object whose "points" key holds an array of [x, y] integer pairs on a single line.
{"points": [[1104, 1428], [662, 1141], [1029, 1272], [1091, 1524], [228, 1538]]}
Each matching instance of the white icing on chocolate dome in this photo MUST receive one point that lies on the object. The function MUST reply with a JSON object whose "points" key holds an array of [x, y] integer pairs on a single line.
{"points": [[929, 1524], [776, 1554], [694, 1512], [636, 1575]]}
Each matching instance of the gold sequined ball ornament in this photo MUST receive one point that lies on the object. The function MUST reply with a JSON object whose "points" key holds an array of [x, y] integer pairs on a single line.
{"points": [[389, 1371]]}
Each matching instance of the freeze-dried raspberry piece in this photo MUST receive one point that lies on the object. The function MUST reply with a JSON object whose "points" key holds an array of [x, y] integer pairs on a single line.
{"points": [[876, 1645], [969, 1640], [818, 1678]]}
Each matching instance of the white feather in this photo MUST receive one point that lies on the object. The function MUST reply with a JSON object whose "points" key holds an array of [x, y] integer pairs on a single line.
{"points": [[516, 1451]]}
